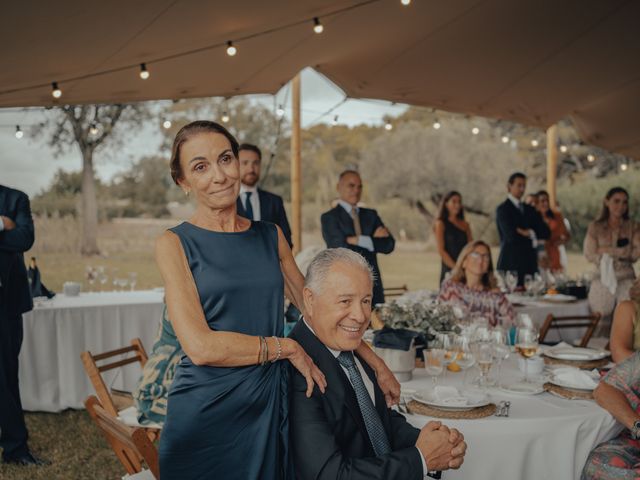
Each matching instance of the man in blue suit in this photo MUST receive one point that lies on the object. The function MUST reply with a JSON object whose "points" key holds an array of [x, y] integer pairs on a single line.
{"points": [[253, 202], [358, 229], [16, 237]]}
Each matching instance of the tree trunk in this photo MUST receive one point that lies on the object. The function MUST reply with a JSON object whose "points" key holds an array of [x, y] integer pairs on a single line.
{"points": [[89, 244]]}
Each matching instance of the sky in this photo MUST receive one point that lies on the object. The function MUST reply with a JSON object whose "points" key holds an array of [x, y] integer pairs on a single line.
{"points": [[29, 163]]}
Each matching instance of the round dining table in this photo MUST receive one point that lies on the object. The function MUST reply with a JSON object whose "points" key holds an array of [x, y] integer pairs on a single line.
{"points": [[545, 437]]}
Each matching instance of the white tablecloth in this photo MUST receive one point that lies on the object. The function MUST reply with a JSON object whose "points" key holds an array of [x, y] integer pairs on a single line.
{"points": [[52, 377], [538, 310], [544, 438]]}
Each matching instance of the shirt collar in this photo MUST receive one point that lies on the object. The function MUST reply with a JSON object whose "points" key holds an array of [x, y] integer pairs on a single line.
{"points": [[244, 188], [335, 353], [514, 200], [347, 206]]}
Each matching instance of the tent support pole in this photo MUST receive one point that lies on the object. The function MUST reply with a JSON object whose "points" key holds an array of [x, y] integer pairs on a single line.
{"points": [[552, 163], [296, 167]]}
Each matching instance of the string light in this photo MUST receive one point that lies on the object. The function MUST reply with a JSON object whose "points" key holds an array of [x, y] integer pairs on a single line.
{"points": [[624, 167], [55, 90], [563, 148], [405, 2], [475, 130], [591, 158], [93, 129], [144, 73], [166, 124], [225, 117], [534, 143], [388, 126], [505, 139], [437, 125], [19, 132], [335, 121], [280, 111], [317, 26], [231, 50]]}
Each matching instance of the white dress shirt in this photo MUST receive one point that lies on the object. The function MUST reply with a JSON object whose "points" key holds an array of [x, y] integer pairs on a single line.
{"points": [[368, 385], [255, 200], [364, 241]]}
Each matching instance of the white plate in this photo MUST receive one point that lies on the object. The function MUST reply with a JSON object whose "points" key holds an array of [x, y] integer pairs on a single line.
{"points": [[576, 354], [558, 297], [474, 400], [571, 386], [521, 388]]}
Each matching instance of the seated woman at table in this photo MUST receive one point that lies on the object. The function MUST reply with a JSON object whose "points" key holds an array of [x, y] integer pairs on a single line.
{"points": [[150, 396], [472, 286], [625, 331], [619, 394]]}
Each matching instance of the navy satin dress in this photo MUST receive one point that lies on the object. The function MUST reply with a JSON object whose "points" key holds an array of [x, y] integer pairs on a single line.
{"points": [[231, 423], [454, 241]]}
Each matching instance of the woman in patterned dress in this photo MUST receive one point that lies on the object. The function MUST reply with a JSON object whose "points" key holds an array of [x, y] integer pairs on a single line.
{"points": [[619, 394], [472, 286]]}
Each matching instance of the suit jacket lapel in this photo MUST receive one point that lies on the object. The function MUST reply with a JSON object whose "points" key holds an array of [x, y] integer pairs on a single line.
{"points": [[346, 221], [264, 210], [241, 211]]}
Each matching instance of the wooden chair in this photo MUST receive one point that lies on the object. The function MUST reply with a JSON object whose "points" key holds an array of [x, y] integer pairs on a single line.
{"points": [[396, 291], [131, 445], [115, 400], [590, 322]]}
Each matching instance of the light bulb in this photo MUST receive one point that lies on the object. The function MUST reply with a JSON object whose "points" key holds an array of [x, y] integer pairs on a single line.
{"points": [[437, 125], [166, 124], [405, 2], [388, 126], [591, 158], [280, 111], [55, 90], [534, 143], [19, 133], [475, 130], [563, 148], [624, 167], [505, 139], [144, 73], [231, 50], [93, 129], [335, 121], [225, 117], [317, 26]]}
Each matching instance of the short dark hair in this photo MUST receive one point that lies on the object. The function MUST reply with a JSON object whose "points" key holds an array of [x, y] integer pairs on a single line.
{"points": [[516, 175], [348, 172], [251, 148], [188, 131]]}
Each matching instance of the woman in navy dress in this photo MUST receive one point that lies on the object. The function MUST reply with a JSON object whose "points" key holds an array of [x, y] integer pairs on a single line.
{"points": [[224, 281], [452, 231]]}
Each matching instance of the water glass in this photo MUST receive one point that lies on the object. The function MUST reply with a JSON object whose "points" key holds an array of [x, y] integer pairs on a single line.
{"points": [[433, 363]]}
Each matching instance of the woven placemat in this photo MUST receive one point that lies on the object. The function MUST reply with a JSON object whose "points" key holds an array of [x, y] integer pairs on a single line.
{"points": [[568, 392], [479, 412], [585, 365]]}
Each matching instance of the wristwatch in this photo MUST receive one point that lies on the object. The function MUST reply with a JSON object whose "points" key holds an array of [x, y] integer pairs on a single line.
{"points": [[635, 430]]}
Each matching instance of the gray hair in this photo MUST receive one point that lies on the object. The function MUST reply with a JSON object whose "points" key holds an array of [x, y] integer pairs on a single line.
{"points": [[322, 263]]}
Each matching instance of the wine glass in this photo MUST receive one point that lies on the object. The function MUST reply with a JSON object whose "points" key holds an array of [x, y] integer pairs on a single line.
{"points": [[500, 340], [511, 280], [444, 341], [123, 284], [103, 280], [529, 284], [433, 363], [133, 279], [484, 354], [91, 276], [464, 355], [526, 346]]}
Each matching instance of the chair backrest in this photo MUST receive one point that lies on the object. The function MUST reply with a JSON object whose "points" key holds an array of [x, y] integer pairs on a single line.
{"points": [[131, 445], [395, 291], [94, 371], [590, 322]]}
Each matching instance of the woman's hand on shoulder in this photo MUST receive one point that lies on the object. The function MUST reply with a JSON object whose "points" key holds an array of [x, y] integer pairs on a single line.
{"points": [[304, 364]]}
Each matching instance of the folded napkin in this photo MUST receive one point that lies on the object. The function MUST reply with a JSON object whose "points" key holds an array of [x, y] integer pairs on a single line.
{"points": [[396, 339], [608, 274], [575, 377], [449, 396], [557, 346]]}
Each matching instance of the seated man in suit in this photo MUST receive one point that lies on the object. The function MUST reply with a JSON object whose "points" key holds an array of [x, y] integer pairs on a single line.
{"points": [[253, 202], [358, 229], [520, 227], [349, 432]]}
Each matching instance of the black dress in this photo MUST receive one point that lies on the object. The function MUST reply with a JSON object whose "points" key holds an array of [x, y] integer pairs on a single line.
{"points": [[454, 241]]}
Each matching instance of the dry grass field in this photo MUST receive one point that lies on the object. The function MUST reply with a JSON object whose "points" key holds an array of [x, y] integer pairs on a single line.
{"points": [[69, 439]]}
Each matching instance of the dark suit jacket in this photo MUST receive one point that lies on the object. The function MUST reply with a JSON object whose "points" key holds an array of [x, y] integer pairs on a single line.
{"points": [[15, 297], [337, 225], [516, 251], [271, 210], [328, 435]]}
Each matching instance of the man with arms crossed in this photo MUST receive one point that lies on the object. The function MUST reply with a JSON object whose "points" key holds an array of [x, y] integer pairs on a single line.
{"points": [[349, 432]]}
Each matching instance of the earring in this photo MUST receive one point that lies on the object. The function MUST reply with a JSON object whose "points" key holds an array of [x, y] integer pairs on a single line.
{"points": [[186, 192]]}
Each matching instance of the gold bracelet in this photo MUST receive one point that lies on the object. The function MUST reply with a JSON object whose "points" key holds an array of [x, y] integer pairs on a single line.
{"points": [[260, 351], [279, 354]]}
